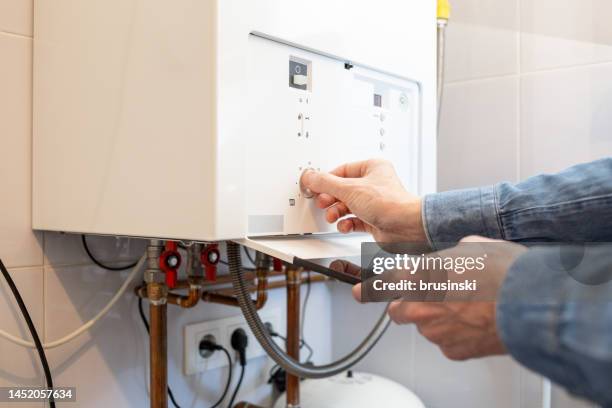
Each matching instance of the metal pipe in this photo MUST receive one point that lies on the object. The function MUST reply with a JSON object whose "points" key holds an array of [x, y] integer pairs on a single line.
{"points": [[275, 284], [440, 64], [223, 294], [158, 355], [275, 352], [157, 293], [293, 333], [188, 301]]}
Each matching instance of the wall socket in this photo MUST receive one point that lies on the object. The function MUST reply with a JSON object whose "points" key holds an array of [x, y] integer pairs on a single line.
{"points": [[222, 330]]}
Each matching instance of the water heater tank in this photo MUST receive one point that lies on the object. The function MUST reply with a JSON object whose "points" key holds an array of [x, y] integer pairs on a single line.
{"points": [[194, 119], [357, 390]]}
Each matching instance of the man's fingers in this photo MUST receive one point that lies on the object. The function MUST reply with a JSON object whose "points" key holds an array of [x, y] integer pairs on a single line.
{"points": [[325, 200], [403, 312], [352, 170], [337, 211], [352, 224], [324, 183]]}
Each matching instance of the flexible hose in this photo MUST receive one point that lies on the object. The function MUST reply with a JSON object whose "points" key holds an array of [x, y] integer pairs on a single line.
{"points": [[241, 290], [441, 64]]}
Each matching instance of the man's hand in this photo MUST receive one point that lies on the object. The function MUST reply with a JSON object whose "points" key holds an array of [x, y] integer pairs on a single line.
{"points": [[462, 329], [372, 193]]}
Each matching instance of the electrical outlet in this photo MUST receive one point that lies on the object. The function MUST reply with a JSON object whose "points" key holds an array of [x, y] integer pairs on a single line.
{"points": [[222, 330]]}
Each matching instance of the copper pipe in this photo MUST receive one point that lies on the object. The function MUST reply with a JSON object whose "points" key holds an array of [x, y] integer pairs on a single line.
{"points": [[214, 297], [158, 344], [293, 332], [227, 279], [224, 295], [188, 301], [246, 405], [230, 300], [262, 288], [275, 284]]}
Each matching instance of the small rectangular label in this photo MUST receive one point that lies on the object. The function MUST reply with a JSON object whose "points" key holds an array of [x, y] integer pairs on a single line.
{"points": [[266, 224]]}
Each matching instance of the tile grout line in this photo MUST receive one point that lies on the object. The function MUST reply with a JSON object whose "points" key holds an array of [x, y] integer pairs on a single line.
{"points": [[519, 102], [519, 133], [527, 74], [482, 78]]}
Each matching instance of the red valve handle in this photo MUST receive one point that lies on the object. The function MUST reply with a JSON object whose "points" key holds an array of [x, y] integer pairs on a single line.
{"points": [[277, 264], [169, 262], [210, 258]]}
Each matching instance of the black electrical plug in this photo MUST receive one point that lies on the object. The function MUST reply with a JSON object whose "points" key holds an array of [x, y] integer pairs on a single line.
{"points": [[240, 342], [270, 329], [208, 345]]}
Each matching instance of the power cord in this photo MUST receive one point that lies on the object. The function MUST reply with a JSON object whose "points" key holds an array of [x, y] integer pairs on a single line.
{"points": [[207, 345], [100, 264], [240, 342], [145, 323], [248, 255], [33, 332], [277, 375]]}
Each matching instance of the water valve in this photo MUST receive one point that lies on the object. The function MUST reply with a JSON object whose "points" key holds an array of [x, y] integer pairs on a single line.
{"points": [[210, 257], [169, 262]]}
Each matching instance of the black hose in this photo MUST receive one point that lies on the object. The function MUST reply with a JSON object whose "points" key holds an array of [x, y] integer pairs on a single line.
{"points": [[33, 332], [100, 264]]}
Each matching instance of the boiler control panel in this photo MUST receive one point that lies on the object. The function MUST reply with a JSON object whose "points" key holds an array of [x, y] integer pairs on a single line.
{"points": [[308, 110]]}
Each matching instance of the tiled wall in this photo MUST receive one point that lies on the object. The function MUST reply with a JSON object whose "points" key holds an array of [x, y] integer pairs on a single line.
{"points": [[528, 90], [62, 289]]}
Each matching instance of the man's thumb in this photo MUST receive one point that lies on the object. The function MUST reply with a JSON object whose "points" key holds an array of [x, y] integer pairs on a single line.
{"points": [[326, 183]]}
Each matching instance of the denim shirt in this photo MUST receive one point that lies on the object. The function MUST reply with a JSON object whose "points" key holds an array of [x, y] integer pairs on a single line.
{"points": [[554, 319]]}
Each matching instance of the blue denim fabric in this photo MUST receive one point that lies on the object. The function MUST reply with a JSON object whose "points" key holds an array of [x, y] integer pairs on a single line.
{"points": [[542, 321], [572, 206], [557, 319]]}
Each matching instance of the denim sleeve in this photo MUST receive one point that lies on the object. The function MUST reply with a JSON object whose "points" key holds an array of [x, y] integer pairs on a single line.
{"points": [[554, 315], [572, 206]]}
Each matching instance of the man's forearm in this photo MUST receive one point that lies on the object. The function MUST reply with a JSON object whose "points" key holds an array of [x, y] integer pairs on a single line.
{"points": [[569, 206]]}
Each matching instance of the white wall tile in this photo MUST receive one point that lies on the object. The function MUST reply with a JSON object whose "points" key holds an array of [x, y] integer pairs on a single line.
{"points": [[482, 39], [16, 16], [18, 245], [566, 118], [561, 33], [561, 399], [478, 133], [108, 363], [531, 389], [67, 249], [20, 366], [490, 382]]}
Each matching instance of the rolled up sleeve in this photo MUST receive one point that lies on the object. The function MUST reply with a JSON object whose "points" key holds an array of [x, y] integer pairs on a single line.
{"points": [[452, 215]]}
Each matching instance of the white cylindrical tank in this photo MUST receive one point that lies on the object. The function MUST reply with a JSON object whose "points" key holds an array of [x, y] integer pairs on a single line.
{"points": [[354, 390]]}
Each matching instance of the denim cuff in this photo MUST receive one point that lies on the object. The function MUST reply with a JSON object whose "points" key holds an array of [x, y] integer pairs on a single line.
{"points": [[450, 216]]}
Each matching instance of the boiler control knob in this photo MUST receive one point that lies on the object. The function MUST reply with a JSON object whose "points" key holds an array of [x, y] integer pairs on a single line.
{"points": [[306, 192]]}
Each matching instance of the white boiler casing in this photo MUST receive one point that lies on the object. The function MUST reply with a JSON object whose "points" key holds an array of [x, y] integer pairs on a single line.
{"points": [[193, 119]]}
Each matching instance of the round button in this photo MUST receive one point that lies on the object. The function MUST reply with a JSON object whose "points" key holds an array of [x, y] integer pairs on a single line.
{"points": [[382, 132], [306, 192]]}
